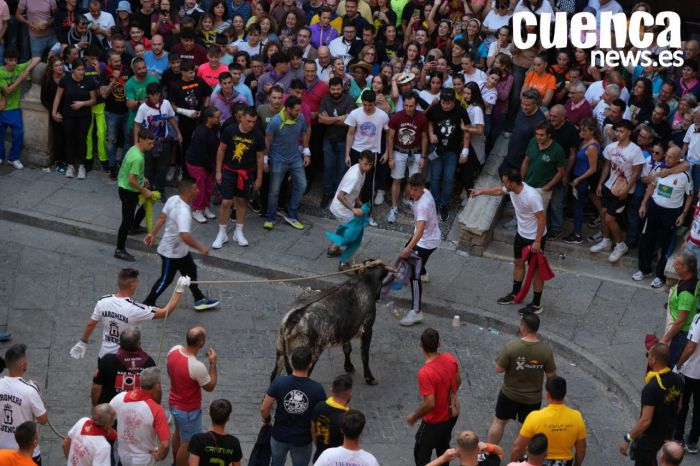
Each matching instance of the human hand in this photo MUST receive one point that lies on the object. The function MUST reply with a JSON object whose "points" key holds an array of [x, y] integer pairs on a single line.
{"points": [[148, 194], [599, 191], [421, 163], [384, 158], [57, 117], [536, 247], [405, 252], [433, 139], [182, 284], [358, 212], [76, 105], [204, 251], [211, 355], [78, 350], [680, 219], [258, 183], [392, 163], [219, 176], [624, 447], [307, 160], [463, 159], [266, 167], [450, 454], [411, 419], [348, 162], [149, 239]]}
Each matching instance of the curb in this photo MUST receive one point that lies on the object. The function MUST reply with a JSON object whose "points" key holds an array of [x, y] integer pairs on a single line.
{"points": [[584, 359]]}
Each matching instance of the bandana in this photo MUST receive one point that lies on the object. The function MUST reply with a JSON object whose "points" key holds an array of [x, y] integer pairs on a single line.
{"points": [[137, 395], [89, 428], [111, 70], [285, 121], [652, 374], [687, 88]]}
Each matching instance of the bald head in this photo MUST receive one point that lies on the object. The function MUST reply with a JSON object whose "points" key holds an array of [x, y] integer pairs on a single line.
{"points": [[324, 55], [557, 116], [670, 454], [196, 337], [468, 441], [659, 353], [103, 415]]}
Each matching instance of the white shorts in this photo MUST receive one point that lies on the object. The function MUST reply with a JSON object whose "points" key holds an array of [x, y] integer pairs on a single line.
{"points": [[400, 163]]}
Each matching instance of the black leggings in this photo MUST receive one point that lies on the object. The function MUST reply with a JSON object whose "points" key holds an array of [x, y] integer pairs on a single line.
{"points": [[432, 437], [130, 216], [184, 265], [416, 283], [58, 137], [76, 144]]}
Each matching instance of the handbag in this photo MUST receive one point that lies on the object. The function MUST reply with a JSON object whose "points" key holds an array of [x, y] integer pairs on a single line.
{"points": [[619, 187]]}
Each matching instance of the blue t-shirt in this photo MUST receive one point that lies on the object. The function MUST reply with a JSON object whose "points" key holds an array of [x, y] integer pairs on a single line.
{"points": [[156, 65], [296, 397], [285, 138]]}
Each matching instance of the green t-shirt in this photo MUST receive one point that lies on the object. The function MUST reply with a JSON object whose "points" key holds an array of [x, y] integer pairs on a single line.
{"points": [[133, 163], [136, 90], [7, 78], [684, 297], [543, 163], [526, 363]]}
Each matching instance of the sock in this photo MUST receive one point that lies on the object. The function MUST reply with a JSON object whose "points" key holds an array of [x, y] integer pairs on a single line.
{"points": [[239, 227], [516, 286], [536, 298], [222, 229]]}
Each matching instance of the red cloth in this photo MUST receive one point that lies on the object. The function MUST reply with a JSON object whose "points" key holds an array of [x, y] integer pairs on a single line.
{"points": [[89, 428], [534, 262], [435, 378]]}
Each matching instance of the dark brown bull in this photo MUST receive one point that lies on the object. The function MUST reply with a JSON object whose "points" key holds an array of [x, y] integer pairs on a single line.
{"points": [[333, 318]]}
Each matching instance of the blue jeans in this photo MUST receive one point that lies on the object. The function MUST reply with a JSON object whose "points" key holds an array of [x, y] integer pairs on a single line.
{"points": [[555, 216], [333, 165], [40, 44], [442, 178], [579, 204], [18, 36], [188, 423], [301, 455], [278, 172], [113, 128], [634, 222], [13, 119], [676, 347]]}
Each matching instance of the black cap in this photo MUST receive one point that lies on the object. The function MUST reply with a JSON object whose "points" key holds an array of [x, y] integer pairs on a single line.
{"points": [[447, 94], [624, 124]]}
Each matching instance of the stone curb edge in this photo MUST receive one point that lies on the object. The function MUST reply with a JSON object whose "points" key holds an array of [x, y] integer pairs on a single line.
{"points": [[584, 359]]}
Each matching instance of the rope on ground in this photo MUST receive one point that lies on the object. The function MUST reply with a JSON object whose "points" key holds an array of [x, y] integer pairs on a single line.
{"points": [[48, 421]]}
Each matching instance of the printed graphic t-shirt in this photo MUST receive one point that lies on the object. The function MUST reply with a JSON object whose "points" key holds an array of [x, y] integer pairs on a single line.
{"points": [[296, 396]]}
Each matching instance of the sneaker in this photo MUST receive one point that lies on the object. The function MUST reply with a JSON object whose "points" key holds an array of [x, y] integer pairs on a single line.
{"points": [[617, 253], [595, 223], [326, 201], [444, 213], [531, 309], [204, 304], [268, 224], [17, 164], [639, 276], [198, 216], [294, 222], [239, 238], [331, 252], [657, 282], [137, 230], [511, 224], [113, 172], [507, 299], [81, 172], [372, 222], [123, 255], [254, 205], [221, 238], [603, 245], [70, 171], [391, 218], [379, 197], [209, 214], [506, 135], [573, 238], [554, 234], [408, 203], [61, 169], [281, 211], [170, 175], [412, 317], [596, 238], [425, 278], [691, 447]]}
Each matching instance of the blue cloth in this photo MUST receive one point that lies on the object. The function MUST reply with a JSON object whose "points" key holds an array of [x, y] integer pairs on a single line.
{"points": [[13, 120], [350, 234], [156, 65]]}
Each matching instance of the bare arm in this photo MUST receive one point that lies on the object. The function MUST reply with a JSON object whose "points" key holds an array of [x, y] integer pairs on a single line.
{"points": [[689, 349], [580, 452], [169, 308], [95, 393], [211, 356], [555, 180], [265, 408], [163, 448], [191, 242], [425, 407], [349, 138], [523, 167], [519, 447], [89, 328], [134, 183], [66, 446]]}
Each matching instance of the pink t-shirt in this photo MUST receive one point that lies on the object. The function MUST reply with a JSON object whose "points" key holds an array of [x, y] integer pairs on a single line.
{"points": [[187, 375], [210, 75], [39, 12], [4, 11]]}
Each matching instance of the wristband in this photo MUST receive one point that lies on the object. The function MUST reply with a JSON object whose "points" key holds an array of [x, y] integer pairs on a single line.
{"points": [[490, 448], [306, 152], [628, 438], [266, 159], [465, 152]]}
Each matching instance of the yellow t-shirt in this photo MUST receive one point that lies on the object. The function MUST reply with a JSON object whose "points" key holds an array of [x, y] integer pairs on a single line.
{"points": [[14, 458], [562, 425]]}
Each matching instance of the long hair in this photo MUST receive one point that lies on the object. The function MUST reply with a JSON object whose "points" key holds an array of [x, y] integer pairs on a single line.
{"points": [[592, 125], [476, 97]]}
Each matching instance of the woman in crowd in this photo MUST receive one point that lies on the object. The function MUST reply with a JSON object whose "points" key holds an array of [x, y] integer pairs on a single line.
{"points": [[165, 21], [541, 80], [380, 86], [383, 16], [219, 12], [641, 102], [496, 19], [291, 24], [688, 83], [412, 57], [368, 54], [271, 48], [476, 109], [338, 71], [201, 162], [206, 34], [69, 55], [392, 46], [49, 86], [123, 18], [440, 37], [268, 26], [589, 73], [74, 97], [500, 45], [499, 115], [686, 104], [431, 95]]}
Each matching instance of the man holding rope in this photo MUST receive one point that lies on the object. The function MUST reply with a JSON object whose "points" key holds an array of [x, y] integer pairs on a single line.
{"points": [[174, 247]]}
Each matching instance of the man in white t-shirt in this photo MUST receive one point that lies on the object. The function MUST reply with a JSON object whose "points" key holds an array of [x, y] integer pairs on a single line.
{"points": [[691, 149], [346, 203], [532, 231], [100, 22], [87, 443], [144, 433], [174, 247], [365, 125], [624, 161], [425, 240], [119, 311], [20, 398], [689, 365], [350, 452]]}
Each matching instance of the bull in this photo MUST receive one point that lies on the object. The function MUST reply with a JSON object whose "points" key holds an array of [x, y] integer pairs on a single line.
{"points": [[333, 318]]}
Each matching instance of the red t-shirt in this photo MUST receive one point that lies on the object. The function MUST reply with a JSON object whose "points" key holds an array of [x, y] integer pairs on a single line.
{"points": [[198, 54], [187, 374], [313, 96], [435, 378], [408, 130]]}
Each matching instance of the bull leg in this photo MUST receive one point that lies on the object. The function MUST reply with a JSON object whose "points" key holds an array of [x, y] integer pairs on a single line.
{"points": [[366, 340], [347, 349], [279, 363], [314, 359]]}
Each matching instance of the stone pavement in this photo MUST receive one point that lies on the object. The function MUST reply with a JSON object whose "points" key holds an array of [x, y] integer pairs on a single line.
{"points": [[57, 278]]}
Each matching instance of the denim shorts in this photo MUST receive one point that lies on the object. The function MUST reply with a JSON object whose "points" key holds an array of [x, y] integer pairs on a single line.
{"points": [[187, 422]]}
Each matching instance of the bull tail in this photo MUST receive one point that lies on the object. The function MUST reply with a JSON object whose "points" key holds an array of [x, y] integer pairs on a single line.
{"points": [[281, 355]]}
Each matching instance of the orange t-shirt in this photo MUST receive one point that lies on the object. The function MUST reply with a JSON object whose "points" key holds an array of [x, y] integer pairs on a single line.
{"points": [[541, 83], [14, 458]]}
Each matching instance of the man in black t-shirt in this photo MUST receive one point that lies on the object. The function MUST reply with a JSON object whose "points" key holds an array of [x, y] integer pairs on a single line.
{"points": [[216, 446], [661, 398], [445, 121], [527, 117], [567, 136], [239, 169], [119, 372], [116, 112], [188, 96], [327, 416]]}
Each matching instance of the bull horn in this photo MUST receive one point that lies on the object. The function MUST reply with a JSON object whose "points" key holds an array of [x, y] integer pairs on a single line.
{"points": [[391, 269]]}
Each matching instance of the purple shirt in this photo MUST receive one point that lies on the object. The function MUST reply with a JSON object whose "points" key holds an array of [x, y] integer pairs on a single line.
{"points": [[271, 78], [321, 36]]}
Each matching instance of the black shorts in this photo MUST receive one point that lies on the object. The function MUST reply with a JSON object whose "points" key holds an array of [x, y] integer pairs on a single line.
{"points": [[229, 185], [509, 409], [614, 205], [519, 243]]}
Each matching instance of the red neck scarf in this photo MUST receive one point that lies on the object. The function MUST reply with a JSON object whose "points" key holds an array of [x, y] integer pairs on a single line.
{"points": [[89, 428]]}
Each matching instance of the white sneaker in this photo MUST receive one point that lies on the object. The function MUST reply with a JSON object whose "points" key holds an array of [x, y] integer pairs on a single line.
{"points": [[408, 203], [221, 238], [506, 135], [372, 223], [604, 245], [170, 174], [391, 218], [639, 276], [81, 172], [379, 197], [240, 239], [17, 164], [617, 253], [425, 278], [657, 282], [198, 216], [70, 171], [208, 213], [412, 317]]}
